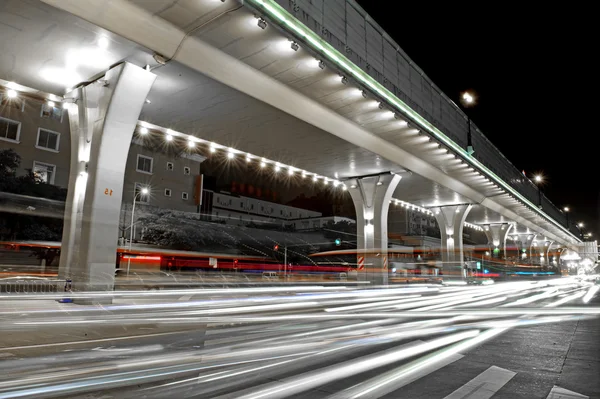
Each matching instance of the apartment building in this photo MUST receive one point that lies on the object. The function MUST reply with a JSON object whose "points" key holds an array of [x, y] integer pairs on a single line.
{"points": [[38, 130]]}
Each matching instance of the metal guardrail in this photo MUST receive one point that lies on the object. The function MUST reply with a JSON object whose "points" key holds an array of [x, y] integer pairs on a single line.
{"points": [[30, 286]]}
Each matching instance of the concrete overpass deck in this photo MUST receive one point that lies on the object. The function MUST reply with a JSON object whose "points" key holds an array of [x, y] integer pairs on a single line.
{"points": [[213, 96], [225, 75]]}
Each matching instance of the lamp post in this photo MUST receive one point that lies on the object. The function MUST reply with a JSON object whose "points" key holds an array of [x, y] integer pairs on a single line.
{"points": [[539, 180], [143, 191], [567, 209], [468, 100], [580, 226]]}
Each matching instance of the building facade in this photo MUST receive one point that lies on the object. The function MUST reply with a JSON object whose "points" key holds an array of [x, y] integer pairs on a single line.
{"points": [[39, 132]]}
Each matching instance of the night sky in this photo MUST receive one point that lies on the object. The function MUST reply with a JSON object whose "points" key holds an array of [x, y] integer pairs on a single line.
{"points": [[535, 77]]}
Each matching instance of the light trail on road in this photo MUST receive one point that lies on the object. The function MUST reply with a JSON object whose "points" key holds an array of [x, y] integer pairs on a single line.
{"points": [[263, 342]]}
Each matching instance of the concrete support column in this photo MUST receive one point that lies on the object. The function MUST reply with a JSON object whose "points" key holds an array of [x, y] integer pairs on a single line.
{"points": [[451, 220], [371, 196], [537, 249], [102, 121], [523, 242], [496, 234], [549, 255]]}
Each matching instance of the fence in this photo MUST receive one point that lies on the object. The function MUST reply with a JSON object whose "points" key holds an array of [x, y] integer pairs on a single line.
{"points": [[30, 286]]}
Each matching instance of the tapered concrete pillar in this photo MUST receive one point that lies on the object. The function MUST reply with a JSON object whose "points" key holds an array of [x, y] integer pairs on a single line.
{"points": [[102, 121], [371, 196], [523, 242], [539, 249], [451, 220], [496, 234]]}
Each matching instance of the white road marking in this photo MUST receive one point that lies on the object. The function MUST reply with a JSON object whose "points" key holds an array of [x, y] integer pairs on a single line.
{"points": [[485, 385], [389, 381], [561, 393]]}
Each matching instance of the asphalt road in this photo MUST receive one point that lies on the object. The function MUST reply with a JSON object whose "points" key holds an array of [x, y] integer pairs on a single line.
{"points": [[512, 340]]}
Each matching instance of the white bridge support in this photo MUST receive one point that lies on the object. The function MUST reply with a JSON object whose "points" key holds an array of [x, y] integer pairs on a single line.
{"points": [[451, 219], [496, 234], [524, 242], [371, 196], [102, 119]]}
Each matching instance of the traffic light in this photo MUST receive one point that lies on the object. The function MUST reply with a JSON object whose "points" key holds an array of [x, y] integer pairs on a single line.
{"points": [[338, 242], [276, 247]]}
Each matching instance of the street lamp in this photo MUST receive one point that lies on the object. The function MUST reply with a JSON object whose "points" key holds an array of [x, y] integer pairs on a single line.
{"points": [[580, 226], [539, 179], [143, 191], [468, 100]]}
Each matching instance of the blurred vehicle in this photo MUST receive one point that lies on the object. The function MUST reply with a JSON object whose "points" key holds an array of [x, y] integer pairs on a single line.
{"points": [[479, 281]]}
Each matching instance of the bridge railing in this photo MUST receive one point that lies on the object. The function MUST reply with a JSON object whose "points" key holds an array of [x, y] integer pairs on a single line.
{"points": [[349, 29]]}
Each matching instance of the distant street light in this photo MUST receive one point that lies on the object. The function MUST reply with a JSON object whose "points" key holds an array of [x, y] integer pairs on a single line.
{"points": [[468, 100], [580, 226], [539, 179], [566, 209], [143, 191]]}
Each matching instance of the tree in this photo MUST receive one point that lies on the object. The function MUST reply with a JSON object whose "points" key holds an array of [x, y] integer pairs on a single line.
{"points": [[13, 226], [9, 162], [344, 230]]}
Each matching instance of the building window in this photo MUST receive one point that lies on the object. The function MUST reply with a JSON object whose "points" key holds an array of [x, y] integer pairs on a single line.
{"points": [[44, 172], [9, 130], [167, 192], [47, 140], [184, 195], [242, 205], [144, 164], [186, 170], [169, 165], [139, 197], [51, 112]]}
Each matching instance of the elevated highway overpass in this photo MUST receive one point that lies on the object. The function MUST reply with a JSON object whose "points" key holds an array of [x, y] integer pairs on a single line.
{"points": [[320, 92]]}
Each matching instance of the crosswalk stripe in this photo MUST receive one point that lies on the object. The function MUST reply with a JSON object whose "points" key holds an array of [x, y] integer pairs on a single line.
{"points": [[485, 385], [393, 380], [561, 393]]}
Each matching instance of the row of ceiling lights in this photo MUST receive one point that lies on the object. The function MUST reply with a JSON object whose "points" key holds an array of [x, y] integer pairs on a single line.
{"points": [[262, 23], [213, 147], [13, 89], [344, 80], [144, 129]]}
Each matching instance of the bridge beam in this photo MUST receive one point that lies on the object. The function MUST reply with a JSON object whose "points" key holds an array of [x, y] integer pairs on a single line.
{"points": [[371, 196], [102, 121], [451, 219]]}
